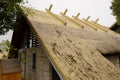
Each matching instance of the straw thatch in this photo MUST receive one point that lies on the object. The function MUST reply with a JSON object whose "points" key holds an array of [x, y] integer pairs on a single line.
{"points": [[10, 66], [75, 52]]}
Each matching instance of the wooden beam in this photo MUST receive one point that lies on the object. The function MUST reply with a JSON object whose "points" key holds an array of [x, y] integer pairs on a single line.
{"points": [[55, 16], [76, 16], [96, 20], [103, 27], [66, 10], [87, 18], [73, 21], [50, 7], [85, 23]]}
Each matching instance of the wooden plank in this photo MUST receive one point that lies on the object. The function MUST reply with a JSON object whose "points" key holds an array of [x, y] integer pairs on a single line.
{"points": [[14, 76], [0, 70]]}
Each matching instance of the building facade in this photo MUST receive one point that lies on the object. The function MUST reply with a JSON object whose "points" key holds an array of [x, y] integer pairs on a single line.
{"points": [[52, 50]]}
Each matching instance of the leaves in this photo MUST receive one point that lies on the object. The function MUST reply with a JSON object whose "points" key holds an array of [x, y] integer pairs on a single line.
{"points": [[7, 48], [116, 9], [9, 9], [5, 45]]}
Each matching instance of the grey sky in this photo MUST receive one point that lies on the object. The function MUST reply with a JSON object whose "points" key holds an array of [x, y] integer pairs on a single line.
{"points": [[8, 36], [94, 8]]}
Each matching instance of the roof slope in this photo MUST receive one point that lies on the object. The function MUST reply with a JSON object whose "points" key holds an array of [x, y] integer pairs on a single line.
{"points": [[76, 52]]}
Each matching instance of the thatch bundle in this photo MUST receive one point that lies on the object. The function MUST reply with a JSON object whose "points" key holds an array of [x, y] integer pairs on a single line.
{"points": [[77, 53]]}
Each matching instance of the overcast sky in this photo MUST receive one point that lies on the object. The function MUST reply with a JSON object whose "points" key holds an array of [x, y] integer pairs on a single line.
{"points": [[94, 8]]}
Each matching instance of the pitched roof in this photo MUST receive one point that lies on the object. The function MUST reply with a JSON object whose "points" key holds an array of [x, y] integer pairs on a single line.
{"points": [[9, 66], [91, 33], [76, 51]]}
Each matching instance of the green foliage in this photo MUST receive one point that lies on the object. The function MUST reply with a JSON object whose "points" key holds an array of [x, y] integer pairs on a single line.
{"points": [[0, 50], [116, 9], [6, 47], [13, 52], [9, 9]]}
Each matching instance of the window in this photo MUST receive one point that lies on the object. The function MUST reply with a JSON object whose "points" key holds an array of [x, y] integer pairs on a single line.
{"points": [[30, 43], [34, 61], [119, 61]]}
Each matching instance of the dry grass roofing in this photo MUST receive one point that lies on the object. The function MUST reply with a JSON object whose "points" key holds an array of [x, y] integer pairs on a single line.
{"points": [[75, 47]]}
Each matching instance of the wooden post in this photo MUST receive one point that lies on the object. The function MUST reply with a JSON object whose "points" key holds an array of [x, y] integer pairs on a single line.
{"points": [[55, 16], [85, 22], [73, 21], [49, 9], [87, 18], [96, 20], [75, 17], [65, 11]]}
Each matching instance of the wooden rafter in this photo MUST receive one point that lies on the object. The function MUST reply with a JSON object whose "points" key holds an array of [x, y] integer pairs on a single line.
{"points": [[55, 16], [73, 21], [76, 18]]}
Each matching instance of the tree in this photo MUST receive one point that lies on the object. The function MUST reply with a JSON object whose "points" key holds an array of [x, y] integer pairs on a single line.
{"points": [[116, 10], [7, 50], [4, 48], [9, 9]]}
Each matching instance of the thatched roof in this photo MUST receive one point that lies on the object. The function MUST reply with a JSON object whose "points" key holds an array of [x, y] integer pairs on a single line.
{"points": [[75, 51], [93, 34], [9, 66]]}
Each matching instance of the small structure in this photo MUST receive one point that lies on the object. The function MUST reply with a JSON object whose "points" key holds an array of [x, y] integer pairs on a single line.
{"points": [[114, 57], [10, 69], [54, 47], [115, 27]]}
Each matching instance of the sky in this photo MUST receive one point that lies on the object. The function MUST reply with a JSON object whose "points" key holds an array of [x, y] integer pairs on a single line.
{"points": [[94, 8]]}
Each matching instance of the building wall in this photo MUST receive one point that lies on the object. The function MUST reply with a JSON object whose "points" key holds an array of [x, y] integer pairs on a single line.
{"points": [[42, 70], [118, 30], [10, 69], [115, 59]]}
